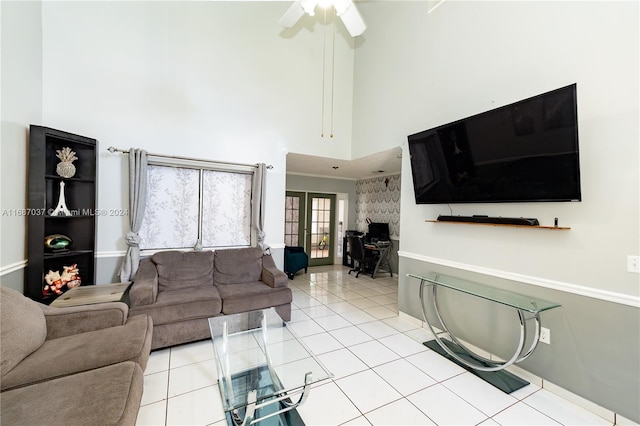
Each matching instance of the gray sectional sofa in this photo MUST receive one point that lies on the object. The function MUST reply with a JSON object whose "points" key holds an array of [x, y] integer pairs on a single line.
{"points": [[181, 290], [70, 366]]}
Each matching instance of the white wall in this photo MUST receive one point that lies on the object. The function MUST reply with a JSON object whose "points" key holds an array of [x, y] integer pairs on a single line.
{"points": [[214, 80], [222, 80], [21, 105], [469, 57]]}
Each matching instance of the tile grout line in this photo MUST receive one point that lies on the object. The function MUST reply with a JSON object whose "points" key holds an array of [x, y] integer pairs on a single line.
{"points": [[166, 403]]}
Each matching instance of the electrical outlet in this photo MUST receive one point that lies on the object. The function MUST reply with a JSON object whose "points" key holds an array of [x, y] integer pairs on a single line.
{"points": [[545, 335], [633, 263]]}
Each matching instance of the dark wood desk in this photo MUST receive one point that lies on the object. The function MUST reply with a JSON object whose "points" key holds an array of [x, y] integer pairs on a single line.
{"points": [[382, 251]]}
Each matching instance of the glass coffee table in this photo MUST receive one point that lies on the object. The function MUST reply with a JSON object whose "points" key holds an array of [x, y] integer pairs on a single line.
{"points": [[264, 370]]}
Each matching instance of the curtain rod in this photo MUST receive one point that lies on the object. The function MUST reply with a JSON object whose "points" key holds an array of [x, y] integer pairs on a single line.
{"points": [[113, 149]]}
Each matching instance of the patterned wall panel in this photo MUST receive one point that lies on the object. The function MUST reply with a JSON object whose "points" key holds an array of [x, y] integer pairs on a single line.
{"points": [[379, 200]]}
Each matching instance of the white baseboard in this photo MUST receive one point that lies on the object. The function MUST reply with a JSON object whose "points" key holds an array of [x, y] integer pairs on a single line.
{"points": [[415, 321]]}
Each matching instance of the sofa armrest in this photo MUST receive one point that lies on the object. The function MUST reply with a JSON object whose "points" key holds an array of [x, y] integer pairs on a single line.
{"points": [[271, 275], [144, 289], [81, 319]]}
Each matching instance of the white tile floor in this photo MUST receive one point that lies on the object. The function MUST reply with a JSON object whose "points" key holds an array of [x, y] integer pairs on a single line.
{"points": [[383, 374]]}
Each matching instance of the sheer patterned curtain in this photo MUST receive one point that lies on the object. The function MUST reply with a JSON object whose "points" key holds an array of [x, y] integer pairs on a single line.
{"points": [[171, 217], [226, 209], [137, 202], [189, 207], [196, 204]]}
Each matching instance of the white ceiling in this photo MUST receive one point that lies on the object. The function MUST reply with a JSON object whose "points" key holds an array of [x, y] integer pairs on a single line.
{"points": [[380, 164]]}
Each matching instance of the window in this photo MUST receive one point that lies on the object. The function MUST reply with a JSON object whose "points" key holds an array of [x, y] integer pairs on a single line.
{"points": [[195, 201], [292, 221]]}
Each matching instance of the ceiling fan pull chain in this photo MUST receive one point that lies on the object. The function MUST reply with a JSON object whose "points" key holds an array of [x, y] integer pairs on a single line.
{"points": [[324, 48], [333, 67]]}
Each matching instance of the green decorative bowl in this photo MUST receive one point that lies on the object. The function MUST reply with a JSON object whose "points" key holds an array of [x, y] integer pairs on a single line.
{"points": [[57, 242]]}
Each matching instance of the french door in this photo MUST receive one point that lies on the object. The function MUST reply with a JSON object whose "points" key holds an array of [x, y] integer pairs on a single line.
{"points": [[309, 222], [294, 219], [320, 228]]}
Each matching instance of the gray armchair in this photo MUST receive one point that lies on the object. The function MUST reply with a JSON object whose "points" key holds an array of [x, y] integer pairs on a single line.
{"points": [[90, 358]]}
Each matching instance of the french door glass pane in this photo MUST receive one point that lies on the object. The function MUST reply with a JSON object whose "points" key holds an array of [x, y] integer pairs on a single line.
{"points": [[292, 216], [320, 227]]}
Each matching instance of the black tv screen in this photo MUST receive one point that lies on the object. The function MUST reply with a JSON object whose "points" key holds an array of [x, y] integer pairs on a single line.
{"points": [[523, 152]]}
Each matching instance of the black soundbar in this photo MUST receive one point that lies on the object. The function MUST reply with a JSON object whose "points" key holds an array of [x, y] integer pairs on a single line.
{"points": [[525, 221]]}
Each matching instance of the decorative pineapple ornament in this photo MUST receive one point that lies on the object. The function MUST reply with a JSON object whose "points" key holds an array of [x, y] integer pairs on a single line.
{"points": [[65, 167]]}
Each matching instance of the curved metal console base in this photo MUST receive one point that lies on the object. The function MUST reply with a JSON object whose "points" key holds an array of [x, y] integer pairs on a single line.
{"points": [[458, 352], [503, 379]]}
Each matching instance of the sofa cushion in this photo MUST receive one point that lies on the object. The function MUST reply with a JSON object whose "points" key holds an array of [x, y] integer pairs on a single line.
{"points": [[251, 296], [83, 318], [23, 328], [179, 332], [109, 395], [179, 269], [82, 352], [182, 305], [234, 266]]}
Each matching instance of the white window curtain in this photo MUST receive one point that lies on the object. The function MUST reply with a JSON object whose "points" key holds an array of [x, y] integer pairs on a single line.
{"points": [[226, 209], [259, 210], [171, 217], [192, 207], [182, 203]]}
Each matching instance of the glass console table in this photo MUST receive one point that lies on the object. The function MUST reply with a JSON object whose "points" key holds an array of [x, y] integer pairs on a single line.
{"points": [[527, 308], [261, 365]]}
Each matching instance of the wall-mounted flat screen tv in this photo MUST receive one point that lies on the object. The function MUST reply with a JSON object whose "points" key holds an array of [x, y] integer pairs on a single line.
{"points": [[523, 152]]}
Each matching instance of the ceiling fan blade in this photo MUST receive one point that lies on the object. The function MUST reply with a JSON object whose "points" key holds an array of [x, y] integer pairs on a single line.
{"points": [[292, 15], [351, 19], [433, 5]]}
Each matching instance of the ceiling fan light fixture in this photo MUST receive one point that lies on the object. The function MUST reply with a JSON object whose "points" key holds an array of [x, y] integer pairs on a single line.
{"points": [[325, 4], [309, 6], [342, 6], [345, 9]]}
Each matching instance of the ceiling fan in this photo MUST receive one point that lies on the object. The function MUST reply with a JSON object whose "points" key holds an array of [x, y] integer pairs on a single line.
{"points": [[345, 9]]}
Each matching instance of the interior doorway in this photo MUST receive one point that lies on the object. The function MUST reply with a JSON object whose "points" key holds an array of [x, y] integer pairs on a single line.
{"points": [[310, 223], [320, 228]]}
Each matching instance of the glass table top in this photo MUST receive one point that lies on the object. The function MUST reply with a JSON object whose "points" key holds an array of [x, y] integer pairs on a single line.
{"points": [[257, 351], [515, 300]]}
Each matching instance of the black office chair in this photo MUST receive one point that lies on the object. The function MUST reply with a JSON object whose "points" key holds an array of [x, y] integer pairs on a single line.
{"points": [[363, 261]]}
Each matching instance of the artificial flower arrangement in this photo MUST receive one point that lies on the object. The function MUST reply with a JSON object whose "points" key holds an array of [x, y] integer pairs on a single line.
{"points": [[55, 282]]}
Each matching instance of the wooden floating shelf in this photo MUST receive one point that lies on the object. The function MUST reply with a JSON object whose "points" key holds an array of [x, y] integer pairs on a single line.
{"points": [[554, 228]]}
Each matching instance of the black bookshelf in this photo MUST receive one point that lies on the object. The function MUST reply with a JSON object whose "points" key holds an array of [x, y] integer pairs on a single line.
{"points": [[44, 191]]}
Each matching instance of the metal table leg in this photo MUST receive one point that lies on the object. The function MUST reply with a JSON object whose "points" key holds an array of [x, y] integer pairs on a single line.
{"points": [[483, 364], [283, 398]]}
